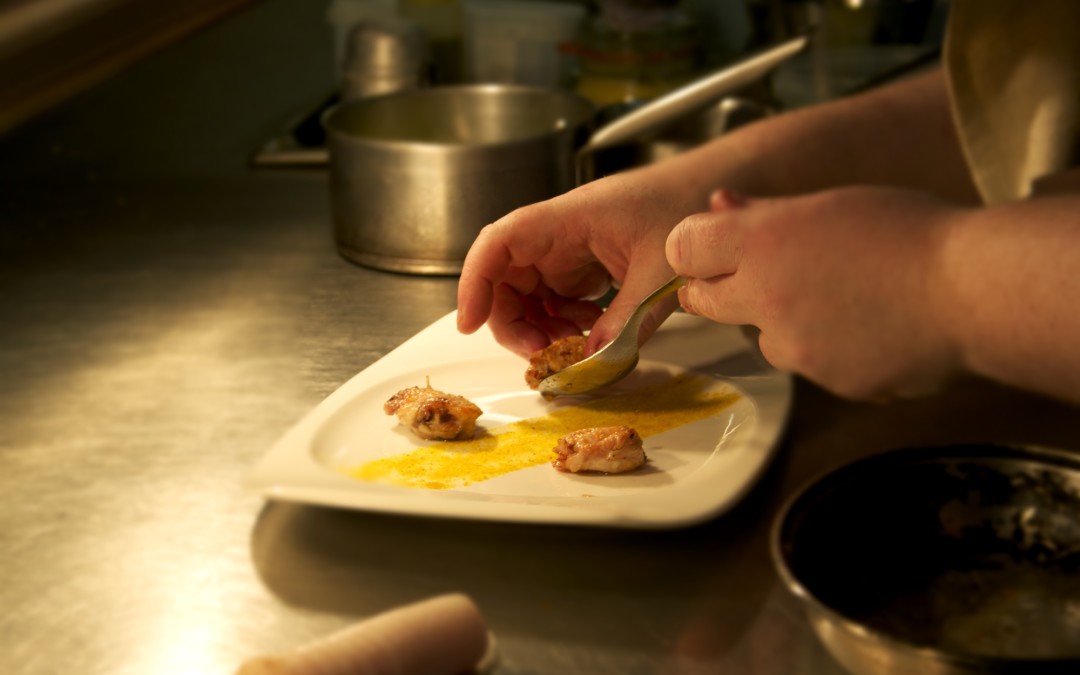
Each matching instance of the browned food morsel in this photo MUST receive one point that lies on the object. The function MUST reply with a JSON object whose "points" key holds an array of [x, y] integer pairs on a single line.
{"points": [[434, 415], [607, 449], [559, 354]]}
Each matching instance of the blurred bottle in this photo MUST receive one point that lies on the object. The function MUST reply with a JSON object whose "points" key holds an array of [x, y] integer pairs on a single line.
{"points": [[343, 15], [441, 21], [384, 56]]}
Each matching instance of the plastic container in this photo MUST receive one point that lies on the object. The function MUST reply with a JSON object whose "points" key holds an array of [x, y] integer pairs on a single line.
{"points": [[518, 41]]}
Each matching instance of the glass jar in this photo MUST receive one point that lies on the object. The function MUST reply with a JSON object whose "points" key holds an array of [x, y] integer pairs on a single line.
{"points": [[619, 66]]}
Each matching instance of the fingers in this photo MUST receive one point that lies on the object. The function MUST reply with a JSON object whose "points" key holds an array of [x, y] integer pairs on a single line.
{"points": [[527, 249], [485, 265], [505, 283], [517, 324], [707, 245], [707, 248], [532, 275], [582, 313], [526, 323], [503, 252], [722, 299], [639, 283]]}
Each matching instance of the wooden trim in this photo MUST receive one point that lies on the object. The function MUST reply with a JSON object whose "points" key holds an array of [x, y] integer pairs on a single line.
{"points": [[49, 70]]}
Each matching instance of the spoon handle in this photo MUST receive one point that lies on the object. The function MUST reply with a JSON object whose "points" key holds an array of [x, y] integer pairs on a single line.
{"points": [[693, 96], [633, 323]]}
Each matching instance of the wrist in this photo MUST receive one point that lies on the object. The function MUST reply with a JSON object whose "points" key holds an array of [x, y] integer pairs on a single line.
{"points": [[948, 286]]}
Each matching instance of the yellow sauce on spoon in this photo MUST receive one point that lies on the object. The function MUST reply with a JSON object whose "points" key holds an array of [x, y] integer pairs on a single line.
{"points": [[650, 410]]}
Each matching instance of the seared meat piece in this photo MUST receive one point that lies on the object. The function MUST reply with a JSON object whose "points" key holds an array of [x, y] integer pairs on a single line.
{"points": [[607, 449], [432, 414], [553, 358]]}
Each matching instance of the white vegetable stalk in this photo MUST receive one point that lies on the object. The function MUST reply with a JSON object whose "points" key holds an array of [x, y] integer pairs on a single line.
{"points": [[445, 635]]}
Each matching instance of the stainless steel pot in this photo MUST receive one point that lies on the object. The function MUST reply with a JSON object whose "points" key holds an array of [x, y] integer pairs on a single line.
{"points": [[416, 175]]}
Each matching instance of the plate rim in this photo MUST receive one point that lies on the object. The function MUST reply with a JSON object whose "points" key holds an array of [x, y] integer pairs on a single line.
{"points": [[277, 477]]}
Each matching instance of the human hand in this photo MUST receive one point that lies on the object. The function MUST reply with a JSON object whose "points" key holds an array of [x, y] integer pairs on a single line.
{"points": [[535, 274], [840, 283]]}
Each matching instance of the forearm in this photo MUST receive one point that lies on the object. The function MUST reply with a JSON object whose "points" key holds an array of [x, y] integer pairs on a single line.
{"points": [[900, 136], [1010, 293]]}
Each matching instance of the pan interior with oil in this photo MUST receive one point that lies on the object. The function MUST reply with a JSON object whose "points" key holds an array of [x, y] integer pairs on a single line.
{"points": [[971, 553]]}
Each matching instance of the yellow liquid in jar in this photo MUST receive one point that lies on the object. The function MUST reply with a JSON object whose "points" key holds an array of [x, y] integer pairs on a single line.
{"points": [[613, 89], [530, 442]]}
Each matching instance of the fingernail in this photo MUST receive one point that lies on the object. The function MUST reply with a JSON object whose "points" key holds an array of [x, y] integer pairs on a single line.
{"points": [[683, 302], [594, 342], [723, 199]]}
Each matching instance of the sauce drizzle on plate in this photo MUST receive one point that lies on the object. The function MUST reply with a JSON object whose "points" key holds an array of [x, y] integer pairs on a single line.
{"points": [[650, 409]]}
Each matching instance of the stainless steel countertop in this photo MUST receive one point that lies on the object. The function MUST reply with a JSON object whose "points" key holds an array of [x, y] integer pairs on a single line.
{"points": [[169, 313]]}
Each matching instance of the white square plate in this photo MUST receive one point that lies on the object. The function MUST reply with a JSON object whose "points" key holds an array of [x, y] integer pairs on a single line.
{"points": [[695, 471]]}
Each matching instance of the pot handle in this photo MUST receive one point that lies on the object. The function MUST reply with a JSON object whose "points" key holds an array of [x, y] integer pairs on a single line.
{"points": [[698, 93]]}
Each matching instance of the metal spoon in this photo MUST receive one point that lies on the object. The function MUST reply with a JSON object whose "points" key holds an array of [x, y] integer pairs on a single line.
{"points": [[615, 360]]}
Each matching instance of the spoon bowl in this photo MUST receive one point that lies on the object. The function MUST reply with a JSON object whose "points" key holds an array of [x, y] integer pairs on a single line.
{"points": [[616, 360]]}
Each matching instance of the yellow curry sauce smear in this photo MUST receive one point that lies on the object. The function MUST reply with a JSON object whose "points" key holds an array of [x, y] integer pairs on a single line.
{"points": [[650, 410]]}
